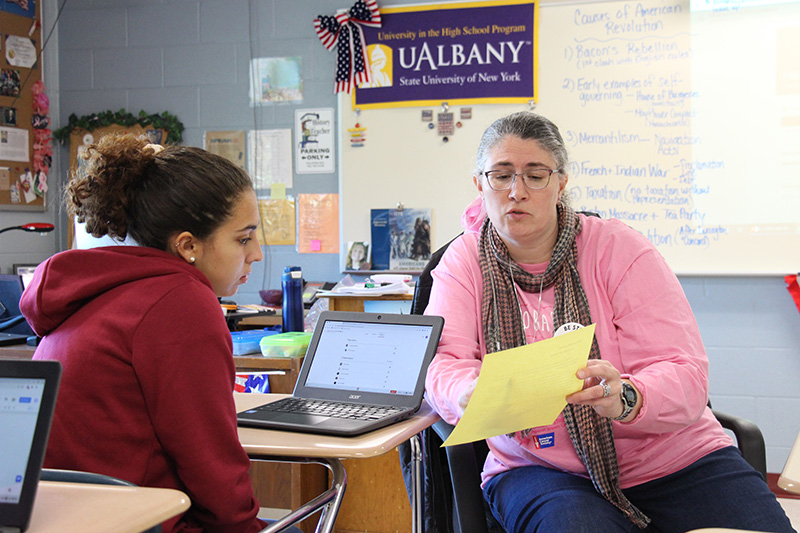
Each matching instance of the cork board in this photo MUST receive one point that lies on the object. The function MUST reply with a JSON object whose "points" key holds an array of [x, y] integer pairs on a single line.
{"points": [[23, 172], [80, 138]]}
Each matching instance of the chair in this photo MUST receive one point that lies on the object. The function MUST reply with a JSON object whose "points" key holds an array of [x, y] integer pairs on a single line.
{"points": [[456, 504], [10, 292], [75, 476], [466, 463]]}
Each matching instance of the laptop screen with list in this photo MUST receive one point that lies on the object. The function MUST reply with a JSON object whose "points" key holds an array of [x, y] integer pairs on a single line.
{"points": [[369, 357], [20, 399]]}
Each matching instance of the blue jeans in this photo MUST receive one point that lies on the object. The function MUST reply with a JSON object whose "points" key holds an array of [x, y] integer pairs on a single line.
{"points": [[719, 490]]}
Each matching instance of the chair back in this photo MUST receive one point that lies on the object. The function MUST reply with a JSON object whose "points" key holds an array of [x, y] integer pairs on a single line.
{"points": [[10, 292], [422, 290], [446, 508]]}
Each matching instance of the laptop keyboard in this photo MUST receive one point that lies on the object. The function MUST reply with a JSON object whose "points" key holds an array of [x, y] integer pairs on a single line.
{"points": [[328, 408]]}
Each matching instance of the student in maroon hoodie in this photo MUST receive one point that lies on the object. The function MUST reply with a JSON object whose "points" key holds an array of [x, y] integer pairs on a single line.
{"points": [[146, 393]]}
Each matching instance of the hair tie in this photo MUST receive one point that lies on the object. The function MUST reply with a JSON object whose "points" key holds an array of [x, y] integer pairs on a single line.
{"points": [[155, 147]]}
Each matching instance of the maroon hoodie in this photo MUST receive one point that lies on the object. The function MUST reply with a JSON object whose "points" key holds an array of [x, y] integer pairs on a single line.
{"points": [[146, 390]]}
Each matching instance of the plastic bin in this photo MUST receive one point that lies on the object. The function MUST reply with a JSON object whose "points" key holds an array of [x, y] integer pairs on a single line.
{"points": [[289, 344], [247, 341]]}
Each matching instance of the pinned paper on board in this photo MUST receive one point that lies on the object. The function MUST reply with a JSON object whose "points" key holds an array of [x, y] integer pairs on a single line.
{"points": [[269, 157], [319, 223], [278, 191], [277, 220], [228, 144]]}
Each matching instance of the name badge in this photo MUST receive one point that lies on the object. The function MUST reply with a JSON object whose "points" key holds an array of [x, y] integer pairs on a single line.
{"points": [[566, 328]]}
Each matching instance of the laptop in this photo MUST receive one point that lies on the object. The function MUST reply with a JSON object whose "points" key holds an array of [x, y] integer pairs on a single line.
{"points": [[27, 400], [11, 288], [362, 371]]}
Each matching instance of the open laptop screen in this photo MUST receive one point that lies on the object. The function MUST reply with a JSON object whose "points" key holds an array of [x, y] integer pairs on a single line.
{"points": [[20, 401], [369, 357], [28, 392]]}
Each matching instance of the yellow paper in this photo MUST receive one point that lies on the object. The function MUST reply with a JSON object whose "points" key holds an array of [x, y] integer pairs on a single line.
{"points": [[278, 191], [277, 221], [524, 387]]}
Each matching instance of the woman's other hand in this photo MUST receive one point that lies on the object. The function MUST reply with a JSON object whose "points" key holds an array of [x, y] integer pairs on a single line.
{"points": [[463, 398]]}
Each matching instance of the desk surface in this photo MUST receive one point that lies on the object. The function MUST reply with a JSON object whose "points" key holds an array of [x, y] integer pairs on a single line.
{"points": [[266, 442], [789, 479], [331, 296], [17, 351], [723, 530], [87, 508]]}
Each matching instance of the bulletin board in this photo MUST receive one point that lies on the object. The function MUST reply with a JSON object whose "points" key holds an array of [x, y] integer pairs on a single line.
{"points": [[20, 51], [80, 138], [682, 120]]}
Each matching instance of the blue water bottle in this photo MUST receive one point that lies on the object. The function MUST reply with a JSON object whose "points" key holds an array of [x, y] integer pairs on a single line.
{"points": [[292, 309]]}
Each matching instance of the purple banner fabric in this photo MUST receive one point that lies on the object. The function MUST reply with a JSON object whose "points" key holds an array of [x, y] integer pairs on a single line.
{"points": [[479, 53]]}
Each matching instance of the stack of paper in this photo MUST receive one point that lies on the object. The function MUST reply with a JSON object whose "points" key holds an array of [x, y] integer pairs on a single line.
{"points": [[360, 289]]}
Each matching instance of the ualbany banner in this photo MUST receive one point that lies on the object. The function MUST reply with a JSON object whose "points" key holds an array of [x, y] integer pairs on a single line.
{"points": [[460, 53]]}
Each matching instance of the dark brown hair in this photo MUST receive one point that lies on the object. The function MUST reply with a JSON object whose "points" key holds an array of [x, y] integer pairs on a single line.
{"points": [[125, 186]]}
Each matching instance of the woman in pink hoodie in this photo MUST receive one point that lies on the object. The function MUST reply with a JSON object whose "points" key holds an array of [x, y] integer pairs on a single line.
{"points": [[637, 448]]}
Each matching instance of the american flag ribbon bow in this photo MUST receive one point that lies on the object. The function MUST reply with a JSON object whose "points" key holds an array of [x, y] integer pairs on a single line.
{"points": [[343, 31]]}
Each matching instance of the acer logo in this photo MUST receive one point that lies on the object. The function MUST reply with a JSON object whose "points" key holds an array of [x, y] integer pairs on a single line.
{"points": [[355, 396]]}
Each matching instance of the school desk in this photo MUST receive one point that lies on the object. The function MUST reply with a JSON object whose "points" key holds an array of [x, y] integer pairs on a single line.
{"points": [[355, 303], [789, 479], [88, 508], [295, 447]]}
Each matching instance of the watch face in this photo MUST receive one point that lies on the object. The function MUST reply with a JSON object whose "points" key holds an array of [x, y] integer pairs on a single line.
{"points": [[628, 394]]}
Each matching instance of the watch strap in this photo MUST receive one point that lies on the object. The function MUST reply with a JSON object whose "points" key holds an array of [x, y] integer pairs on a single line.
{"points": [[627, 407]]}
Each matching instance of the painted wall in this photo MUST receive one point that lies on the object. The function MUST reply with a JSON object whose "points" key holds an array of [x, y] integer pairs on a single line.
{"points": [[191, 57]]}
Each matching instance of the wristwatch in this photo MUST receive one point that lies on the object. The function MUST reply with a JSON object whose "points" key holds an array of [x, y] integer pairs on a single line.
{"points": [[629, 397]]}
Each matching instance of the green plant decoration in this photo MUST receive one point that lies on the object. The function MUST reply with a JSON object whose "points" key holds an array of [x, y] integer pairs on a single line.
{"points": [[91, 122]]}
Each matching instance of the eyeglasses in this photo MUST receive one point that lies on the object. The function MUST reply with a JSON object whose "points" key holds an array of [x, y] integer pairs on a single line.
{"points": [[534, 179]]}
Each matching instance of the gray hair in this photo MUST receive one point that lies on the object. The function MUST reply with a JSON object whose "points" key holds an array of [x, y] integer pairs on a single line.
{"points": [[525, 125]]}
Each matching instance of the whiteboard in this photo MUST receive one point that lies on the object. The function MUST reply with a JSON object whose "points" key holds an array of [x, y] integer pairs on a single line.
{"points": [[681, 120]]}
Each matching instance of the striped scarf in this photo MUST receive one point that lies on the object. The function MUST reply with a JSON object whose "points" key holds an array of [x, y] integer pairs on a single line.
{"points": [[590, 433]]}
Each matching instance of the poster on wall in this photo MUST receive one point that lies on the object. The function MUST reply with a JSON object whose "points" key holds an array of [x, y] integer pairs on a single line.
{"points": [[319, 224], [269, 158], [401, 238], [313, 141], [464, 53], [228, 144], [277, 220], [275, 79], [14, 144]]}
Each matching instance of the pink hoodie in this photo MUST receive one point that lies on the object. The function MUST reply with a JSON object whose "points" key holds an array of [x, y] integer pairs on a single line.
{"points": [[644, 327]]}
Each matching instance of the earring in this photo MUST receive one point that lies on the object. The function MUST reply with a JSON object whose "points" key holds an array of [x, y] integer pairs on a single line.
{"points": [[191, 259]]}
